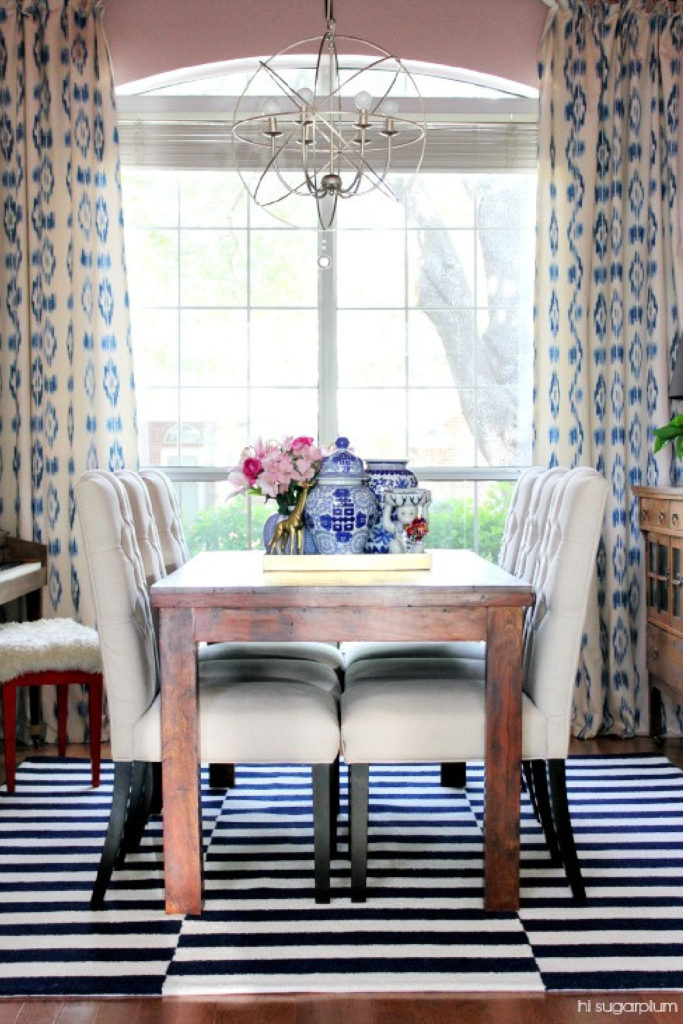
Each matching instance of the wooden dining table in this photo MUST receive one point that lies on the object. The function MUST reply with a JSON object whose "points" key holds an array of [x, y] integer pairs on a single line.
{"points": [[231, 595]]}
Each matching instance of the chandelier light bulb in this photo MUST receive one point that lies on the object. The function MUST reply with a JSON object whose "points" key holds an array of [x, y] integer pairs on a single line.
{"points": [[390, 108], [363, 100]]}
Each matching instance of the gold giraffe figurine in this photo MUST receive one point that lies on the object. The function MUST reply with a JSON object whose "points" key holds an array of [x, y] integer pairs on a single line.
{"points": [[291, 528]]}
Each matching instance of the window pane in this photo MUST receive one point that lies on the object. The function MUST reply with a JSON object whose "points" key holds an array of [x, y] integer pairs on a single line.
{"points": [[441, 347], [214, 268], [440, 434], [213, 200], [213, 347], [442, 199], [371, 346], [284, 268], [212, 424], [370, 268], [284, 348], [152, 258], [155, 341], [276, 412], [374, 420]]}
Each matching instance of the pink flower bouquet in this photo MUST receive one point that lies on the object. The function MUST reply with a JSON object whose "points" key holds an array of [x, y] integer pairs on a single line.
{"points": [[275, 469]]}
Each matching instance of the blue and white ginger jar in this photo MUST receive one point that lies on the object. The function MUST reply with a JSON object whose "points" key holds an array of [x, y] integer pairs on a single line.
{"points": [[385, 475], [341, 509]]}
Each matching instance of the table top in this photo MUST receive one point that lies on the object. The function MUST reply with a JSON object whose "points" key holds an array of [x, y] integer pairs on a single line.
{"points": [[458, 575]]}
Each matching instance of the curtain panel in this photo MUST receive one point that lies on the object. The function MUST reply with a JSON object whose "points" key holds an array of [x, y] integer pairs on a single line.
{"points": [[67, 399], [608, 292]]}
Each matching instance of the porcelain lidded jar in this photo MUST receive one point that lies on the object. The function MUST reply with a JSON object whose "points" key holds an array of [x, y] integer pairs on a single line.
{"points": [[341, 509], [386, 475]]}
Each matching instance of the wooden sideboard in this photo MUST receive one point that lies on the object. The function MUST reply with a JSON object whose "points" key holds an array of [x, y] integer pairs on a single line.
{"points": [[661, 521]]}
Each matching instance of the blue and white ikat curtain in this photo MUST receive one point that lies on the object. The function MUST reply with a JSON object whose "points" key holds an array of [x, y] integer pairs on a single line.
{"points": [[67, 399], [608, 293]]}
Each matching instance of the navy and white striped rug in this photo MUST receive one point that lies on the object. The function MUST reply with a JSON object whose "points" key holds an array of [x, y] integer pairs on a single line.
{"points": [[422, 929]]}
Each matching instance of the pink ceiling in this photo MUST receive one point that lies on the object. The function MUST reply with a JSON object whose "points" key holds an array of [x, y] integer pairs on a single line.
{"points": [[498, 37]]}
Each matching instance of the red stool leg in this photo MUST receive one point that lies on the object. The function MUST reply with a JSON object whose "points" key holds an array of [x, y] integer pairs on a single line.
{"points": [[95, 716], [62, 711], [9, 719]]}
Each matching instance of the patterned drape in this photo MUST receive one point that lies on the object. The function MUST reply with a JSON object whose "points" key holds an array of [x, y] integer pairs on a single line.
{"points": [[66, 382], [609, 286]]}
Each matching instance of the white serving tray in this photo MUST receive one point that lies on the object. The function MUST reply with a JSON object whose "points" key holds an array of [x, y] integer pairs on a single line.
{"points": [[347, 563]]}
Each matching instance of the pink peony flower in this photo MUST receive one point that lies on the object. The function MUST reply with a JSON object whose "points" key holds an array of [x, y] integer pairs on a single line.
{"points": [[251, 468]]}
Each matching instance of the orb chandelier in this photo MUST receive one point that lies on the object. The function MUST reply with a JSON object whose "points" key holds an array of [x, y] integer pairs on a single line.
{"points": [[328, 132]]}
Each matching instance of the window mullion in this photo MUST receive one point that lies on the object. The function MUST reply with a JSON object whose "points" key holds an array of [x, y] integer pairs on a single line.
{"points": [[327, 338]]}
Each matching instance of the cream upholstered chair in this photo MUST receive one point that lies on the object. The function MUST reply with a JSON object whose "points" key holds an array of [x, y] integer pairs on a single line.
{"points": [[437, 714], [50, 652], [169, 526], [276, 721], [515, 522], [217, 662]]}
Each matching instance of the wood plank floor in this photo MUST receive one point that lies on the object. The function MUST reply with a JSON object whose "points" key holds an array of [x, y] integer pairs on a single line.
{"points": [[414, 1008]]}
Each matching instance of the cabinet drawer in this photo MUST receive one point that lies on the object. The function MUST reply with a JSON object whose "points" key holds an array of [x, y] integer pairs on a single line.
{"points": [[654, 512], [676, 515], [665, 657]]}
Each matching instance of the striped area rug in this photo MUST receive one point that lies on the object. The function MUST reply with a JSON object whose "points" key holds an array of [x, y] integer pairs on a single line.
{"points": [[422, 929]]}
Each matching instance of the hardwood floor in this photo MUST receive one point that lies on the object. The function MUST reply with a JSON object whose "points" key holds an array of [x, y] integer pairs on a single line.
{"points": [[410, 1008]]}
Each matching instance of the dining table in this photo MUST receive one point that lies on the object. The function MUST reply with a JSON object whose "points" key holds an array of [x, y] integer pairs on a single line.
{"points": [[219, 596]]}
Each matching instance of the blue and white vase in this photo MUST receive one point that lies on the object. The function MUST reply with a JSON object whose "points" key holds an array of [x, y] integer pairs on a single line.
{"points": [[341, 509], [385, 475]]}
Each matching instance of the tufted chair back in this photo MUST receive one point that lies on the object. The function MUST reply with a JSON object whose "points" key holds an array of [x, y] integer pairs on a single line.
{"points": [[537, 515], [145, 525], [516, 518], [124, 620], [168, 519], [562, 583]]}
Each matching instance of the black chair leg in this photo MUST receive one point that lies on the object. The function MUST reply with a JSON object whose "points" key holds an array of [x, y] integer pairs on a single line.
{"points": [[563, 827], [140, 801], [322, 825], [334, 806], [543, 810], [221, 776], [358, 824], [454, 774], [123, 771], [156, 803]]}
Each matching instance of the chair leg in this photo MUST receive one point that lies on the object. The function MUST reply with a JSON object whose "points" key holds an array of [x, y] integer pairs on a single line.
{"points": [[141, 788], [454, 774], [156, 803], [221, 776], [62, 712], [563, 826], [544, 812], [95, 722], [117, 819], [358, 824], [9, 718], [321, 779]]}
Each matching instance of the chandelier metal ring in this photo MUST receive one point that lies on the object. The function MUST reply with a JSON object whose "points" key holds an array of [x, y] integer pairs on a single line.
{"points": [[331, 131]]}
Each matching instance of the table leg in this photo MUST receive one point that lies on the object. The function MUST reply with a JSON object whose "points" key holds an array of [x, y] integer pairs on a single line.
{"points": [[180, 762], [503, 758]]}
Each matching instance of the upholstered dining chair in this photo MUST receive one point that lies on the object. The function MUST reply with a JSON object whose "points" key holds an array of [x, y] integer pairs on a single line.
{"points": [[395, 712], [168, 519], [56, 652], [220, 661], [240, 720], [515, 523]]}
